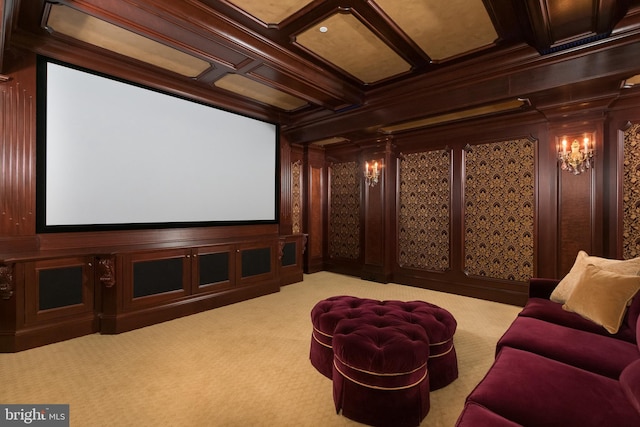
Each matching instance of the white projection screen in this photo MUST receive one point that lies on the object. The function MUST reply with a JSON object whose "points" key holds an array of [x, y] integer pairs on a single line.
{"points": [[116, 155]]}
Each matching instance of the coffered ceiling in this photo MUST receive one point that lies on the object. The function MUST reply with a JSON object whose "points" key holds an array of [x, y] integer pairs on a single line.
{"points": [[304, 61]]}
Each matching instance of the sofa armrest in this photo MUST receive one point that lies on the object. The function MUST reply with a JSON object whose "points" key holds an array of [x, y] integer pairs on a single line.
{"points": [[540, 287]]}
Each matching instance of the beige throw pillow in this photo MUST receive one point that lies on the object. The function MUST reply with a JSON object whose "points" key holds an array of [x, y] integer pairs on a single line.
{"points": [[562, 292], [602, 296]]}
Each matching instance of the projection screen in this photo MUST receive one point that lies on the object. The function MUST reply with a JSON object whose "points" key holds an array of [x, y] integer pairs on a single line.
{"points": [[113, 154]]}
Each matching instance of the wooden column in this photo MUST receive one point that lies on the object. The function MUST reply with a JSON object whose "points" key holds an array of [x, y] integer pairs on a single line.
{"points": [[379, 214], [579, 198], [315, 197]]}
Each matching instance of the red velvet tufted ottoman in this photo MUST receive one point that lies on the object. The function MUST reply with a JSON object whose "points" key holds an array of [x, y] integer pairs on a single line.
{"points": [[380, 374], [438, 323]]}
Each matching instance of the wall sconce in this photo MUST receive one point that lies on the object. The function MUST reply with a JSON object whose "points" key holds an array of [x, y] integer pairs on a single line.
{"points": [[371, 173], [578, 158]]}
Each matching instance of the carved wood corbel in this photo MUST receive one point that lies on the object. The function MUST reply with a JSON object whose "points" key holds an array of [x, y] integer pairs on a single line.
{"points": [[281, 244], [6, 281], [107, 272]]}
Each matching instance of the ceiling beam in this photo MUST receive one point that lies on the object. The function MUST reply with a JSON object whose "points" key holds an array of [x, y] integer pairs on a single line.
{"points": [[421, 99]]}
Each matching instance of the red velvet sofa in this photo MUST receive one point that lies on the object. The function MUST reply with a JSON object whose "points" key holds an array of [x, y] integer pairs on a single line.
{"points": [[556, 368]]}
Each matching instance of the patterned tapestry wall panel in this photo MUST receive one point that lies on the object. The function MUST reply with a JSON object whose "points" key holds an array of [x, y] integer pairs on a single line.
{"points": [[296, 197], [499, 209], [424, 217], [631, 193], [344, 217]]}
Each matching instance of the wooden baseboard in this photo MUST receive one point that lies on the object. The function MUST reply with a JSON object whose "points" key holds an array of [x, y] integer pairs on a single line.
{"points": [[38, 336], [127, 321]]}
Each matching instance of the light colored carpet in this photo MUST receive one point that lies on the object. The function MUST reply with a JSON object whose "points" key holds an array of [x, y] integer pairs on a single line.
{"points": [[245, 364]]}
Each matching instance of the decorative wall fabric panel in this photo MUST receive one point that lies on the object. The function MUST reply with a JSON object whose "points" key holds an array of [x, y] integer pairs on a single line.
{"points": [[631, 193], [499, 210], [344, 216], [296, 197], [424, 214]]}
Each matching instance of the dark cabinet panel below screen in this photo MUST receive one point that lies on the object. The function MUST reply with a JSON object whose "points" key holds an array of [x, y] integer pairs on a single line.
{"points": [[156, 277]]}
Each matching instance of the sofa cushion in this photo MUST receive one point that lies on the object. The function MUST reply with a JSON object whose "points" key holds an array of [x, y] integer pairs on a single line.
{"points": [[533, 390], [475, 415], [633, 313], [593, 352], [603, 296], [630, 382], [561, 293], [550, 311]]}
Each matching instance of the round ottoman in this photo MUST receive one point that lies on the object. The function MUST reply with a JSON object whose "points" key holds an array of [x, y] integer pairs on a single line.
{"points": [[325, 316], [380, 374], [437, 322]]}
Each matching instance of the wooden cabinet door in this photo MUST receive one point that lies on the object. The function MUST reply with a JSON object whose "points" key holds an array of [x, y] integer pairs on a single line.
{"points": [[152, 278], [58, 288], [213, 268]]}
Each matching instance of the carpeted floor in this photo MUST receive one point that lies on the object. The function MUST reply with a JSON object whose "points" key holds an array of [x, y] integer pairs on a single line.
{"points": [[246, 364]]}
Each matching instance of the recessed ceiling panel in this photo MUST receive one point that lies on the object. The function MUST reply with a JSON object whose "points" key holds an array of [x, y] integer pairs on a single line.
{"points": [[89, 29], [443, 29], [568, 18], [347, 43], [270, 11], [251, 89]]}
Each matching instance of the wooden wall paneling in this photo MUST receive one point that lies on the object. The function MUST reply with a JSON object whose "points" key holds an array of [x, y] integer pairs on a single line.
{"points": [[314, 208], [546, 202], [391, 212], [614, 158], [374, 237], [286, 201], [458, 172], [17, 151], [11, 305], [111, 300], [290, 256], [453, 138], [379, 214], [580, 201], [575, 218]]}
